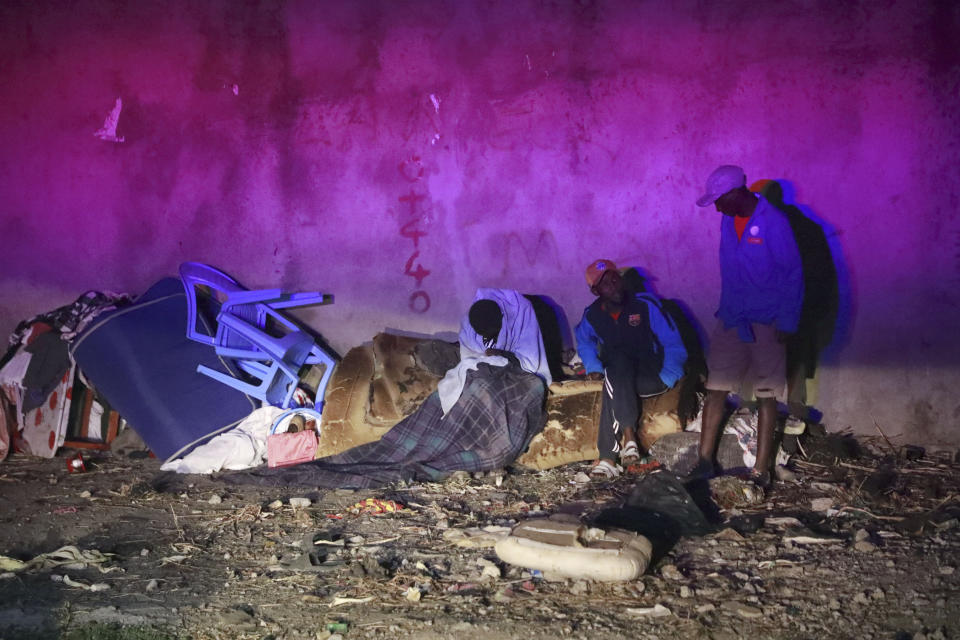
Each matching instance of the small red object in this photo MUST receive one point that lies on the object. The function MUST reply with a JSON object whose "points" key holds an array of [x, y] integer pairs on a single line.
{"points": [[643, 468], [75, 464]]}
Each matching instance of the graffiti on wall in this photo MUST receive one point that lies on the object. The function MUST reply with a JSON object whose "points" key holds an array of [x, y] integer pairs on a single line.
{"points": [[414, 210], [517, 253]]}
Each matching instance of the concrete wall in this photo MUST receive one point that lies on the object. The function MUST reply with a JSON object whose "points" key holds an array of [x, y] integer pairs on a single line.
{"points": [[400, 154]]}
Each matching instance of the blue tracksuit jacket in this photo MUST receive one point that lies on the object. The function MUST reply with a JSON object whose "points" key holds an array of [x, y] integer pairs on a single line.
{"points": [[642, 330], [761, 274]]}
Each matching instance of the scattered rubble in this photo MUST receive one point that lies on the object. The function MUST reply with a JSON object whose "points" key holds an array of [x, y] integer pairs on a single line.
{"points": [[850, 547]]}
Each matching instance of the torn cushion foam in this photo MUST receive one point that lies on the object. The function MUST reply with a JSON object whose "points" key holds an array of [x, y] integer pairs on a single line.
{"points": [[572, 550]]}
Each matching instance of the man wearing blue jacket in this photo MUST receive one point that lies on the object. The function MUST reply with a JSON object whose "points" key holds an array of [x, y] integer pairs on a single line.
{"points": [[762, 291], [626, 339]]}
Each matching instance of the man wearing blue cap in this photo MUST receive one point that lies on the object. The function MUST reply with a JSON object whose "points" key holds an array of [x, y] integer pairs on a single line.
{"points": [[760, 299]]}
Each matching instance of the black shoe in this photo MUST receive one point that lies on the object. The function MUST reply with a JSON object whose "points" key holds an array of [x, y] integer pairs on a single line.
{"points": [[704, 470]]}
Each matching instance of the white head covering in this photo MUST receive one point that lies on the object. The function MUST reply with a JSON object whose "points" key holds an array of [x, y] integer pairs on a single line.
{"points": [[519, 334]]}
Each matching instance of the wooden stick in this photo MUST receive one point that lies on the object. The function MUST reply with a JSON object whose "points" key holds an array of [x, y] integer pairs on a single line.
{"points": [[898, 469], [176, 524], [858, 467], [807, 463], [872, 515], [896, 451]]}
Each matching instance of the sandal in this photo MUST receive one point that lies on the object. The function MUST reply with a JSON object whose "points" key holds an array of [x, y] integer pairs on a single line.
{"points": [[630, 453], [604, 470]]}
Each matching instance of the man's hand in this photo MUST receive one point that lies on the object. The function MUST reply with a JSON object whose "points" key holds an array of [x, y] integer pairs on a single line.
{"points": [[596, 375], [503, 353]]}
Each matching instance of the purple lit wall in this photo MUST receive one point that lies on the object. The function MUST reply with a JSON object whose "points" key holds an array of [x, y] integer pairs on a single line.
{"points": [[400, 154]]}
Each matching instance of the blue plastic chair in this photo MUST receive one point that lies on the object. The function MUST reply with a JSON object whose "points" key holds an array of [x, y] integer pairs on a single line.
{"points": [[257, 307], [275, 366], [241, 332]]}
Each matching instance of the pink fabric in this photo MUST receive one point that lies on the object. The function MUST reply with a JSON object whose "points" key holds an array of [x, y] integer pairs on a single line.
{"points": [[285, 449]]}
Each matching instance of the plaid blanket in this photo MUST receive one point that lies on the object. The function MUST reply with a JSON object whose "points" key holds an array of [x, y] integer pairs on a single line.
{"points": [[500, 411]]}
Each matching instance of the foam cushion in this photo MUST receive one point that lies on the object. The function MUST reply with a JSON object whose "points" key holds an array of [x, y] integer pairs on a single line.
{"points": [[567, 550]]}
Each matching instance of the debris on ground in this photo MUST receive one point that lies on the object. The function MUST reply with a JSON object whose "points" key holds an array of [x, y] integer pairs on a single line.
{"points": [[863, 541]]}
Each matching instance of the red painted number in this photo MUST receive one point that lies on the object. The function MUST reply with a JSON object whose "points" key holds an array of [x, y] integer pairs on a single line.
{"points": [[419, 273], [411, 231], [420, 301]]}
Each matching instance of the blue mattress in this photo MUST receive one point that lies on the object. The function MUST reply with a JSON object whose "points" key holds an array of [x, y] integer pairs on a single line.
{"points": [[140, 360]]}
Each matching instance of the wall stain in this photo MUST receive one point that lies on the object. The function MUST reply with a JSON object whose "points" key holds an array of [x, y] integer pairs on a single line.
{"points": [[518, 253], [924, 422]]}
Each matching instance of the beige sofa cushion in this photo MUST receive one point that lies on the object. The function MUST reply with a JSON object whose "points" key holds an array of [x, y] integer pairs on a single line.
{"points": [[659, 417], [346, 403], [377, 385], [570, 435], [373, 388]]}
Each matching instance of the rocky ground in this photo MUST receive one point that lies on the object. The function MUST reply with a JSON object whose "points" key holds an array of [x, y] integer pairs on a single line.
{"points": [[858, 547]]}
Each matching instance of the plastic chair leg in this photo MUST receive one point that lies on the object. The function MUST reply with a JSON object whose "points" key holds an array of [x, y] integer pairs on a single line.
{"points": [[249, 389]]}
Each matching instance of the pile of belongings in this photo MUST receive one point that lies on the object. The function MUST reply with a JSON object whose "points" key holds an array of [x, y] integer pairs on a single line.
{"points": [[37, 376]]}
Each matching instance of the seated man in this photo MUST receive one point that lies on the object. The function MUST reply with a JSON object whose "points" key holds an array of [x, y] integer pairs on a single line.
{"points": [[627, 340], [500, 326]]}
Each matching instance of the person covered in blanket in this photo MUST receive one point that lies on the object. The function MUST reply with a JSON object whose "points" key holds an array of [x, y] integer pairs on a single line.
{"points": [[626, 340], [484, 414], [500, 327]]}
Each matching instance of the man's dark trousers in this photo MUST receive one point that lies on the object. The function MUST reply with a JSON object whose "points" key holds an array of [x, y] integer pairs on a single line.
{"points": [[625, 381]]}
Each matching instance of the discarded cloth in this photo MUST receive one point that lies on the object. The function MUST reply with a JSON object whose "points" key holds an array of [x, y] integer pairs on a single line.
{"points": [[7, 422], [68, 320], [49, 362], [242, 447], [743, 425], [36, 372], [11, 381], [43, 429], [500, 411], [68, 557]]}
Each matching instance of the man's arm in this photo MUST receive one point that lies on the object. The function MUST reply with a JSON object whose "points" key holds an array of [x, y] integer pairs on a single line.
{"points": [[786, 255], [587, 343], [674, 353]]}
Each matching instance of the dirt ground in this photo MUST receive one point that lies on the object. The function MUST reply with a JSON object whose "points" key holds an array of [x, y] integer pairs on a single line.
{"points": [[850, 548]]}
